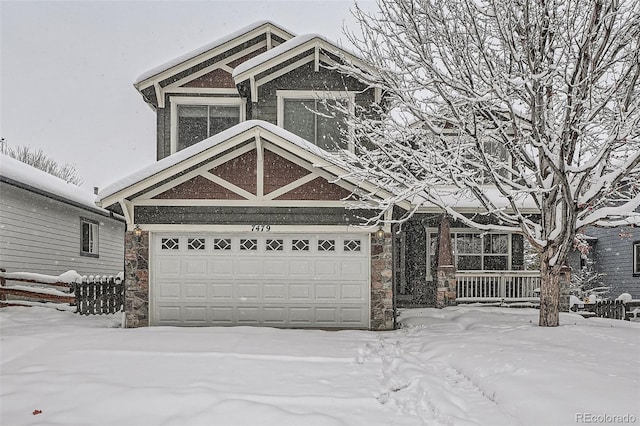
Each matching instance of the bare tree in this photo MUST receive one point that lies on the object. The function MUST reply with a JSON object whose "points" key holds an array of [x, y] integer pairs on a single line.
{"points": [[516, 104], [38, 159]]}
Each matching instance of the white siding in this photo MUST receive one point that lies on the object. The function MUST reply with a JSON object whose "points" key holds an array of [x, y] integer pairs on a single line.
{"points": [[40, 234]]}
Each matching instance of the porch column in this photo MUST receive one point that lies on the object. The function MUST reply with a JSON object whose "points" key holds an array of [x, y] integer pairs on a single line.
{"points": [[136, 273], [382, 317], [446, 274]]}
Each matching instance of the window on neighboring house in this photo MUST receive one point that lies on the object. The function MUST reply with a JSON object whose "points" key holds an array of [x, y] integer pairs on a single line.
{"points": [[474, 251], [88, 238], [196, 119], [314, 117], [636, 258]]}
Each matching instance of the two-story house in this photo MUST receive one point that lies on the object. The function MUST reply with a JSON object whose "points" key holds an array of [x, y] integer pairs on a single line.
{"points": [[247, 217]]}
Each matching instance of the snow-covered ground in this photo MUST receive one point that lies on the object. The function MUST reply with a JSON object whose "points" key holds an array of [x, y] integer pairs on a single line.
{"points": [[457, 366]]}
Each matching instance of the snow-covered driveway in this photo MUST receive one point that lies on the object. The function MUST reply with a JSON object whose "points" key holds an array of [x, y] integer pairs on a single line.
{"points": [[458, 366]]}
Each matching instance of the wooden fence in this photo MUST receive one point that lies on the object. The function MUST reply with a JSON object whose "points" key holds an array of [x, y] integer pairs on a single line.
{"points": [[614, 309], [90, 295]]}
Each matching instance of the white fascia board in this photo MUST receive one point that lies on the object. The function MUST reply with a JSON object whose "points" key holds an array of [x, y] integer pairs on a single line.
{"points": [[178, 167], [214, 51], [220, 64], [196, 172], [312, 44], [244, 203]]}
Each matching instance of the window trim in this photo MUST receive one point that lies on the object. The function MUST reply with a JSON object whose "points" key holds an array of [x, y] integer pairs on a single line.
{"points": [[204, 101], [282, 95], [509, 254], [95, 237], [635, 248]]}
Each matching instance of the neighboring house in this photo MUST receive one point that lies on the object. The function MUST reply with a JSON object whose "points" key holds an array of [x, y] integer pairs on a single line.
{"points": [[49, 226], [247, 216], [616, 253]]}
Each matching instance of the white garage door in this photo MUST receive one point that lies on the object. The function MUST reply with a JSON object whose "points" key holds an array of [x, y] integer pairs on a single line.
{"points": [[269, 279]]}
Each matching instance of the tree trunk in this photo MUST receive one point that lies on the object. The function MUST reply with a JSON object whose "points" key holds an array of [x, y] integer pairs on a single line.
{"points": [[549, 292]]}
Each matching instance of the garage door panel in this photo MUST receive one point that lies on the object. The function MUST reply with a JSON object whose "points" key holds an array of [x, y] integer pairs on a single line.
{"points": [[353, 269], [300, 315], [248, 268], [195, 291], [169, 290], [169, 314], [194, 267], [300, 268], [169, 266], [222, 315], [274, 315], [352, 315], [274, 292], [300, 292], [275, 268], [220, 267], [273, 280], [326, 292], [221, 292], [248, 315], [352, 292], [325, 269], [195, 315], [326, 316], [247, 292]]}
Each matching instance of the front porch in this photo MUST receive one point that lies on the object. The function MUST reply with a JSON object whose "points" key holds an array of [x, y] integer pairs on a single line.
{"points": [[497, 286]]}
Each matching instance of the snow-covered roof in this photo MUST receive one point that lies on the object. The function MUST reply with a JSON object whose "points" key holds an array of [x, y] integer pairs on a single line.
{"points": [[206, 48], [206, 144], [35, 180], [285, 48]]}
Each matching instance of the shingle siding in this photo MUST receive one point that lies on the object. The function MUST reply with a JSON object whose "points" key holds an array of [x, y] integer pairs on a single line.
{"points": [[42, 235], [215, 215]]}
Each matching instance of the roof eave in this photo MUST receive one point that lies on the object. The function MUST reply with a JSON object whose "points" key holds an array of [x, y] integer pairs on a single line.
{"points": [[190, 62]]}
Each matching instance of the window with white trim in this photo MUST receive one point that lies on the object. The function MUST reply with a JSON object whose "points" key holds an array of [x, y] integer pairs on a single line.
{"points": [[316, 116], [636, 258], [194, 119], [88, 237], [474, 251]]}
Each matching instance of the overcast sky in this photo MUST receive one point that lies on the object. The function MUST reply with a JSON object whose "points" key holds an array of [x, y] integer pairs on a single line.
{"points": [[67, 69]]}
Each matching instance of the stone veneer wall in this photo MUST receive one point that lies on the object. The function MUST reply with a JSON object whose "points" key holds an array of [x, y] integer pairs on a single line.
{"points": [[382, 310], [136, 272]]}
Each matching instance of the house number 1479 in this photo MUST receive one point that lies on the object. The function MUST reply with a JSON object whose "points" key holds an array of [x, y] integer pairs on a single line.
{"points": [[260, 228]]}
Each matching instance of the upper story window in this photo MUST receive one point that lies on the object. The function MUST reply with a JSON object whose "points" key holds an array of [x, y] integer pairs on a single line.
{"points": [[314, 117], [88, 237], [636, 258], [194, 119]]}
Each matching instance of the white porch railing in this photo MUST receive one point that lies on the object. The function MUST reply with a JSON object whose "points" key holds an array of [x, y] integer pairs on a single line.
{"points": [[497, 286]]}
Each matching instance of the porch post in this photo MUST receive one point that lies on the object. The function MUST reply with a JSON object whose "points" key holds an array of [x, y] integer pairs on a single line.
{"points": [[446, 273], [136, 272], [382, 315], [565, 280]]}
